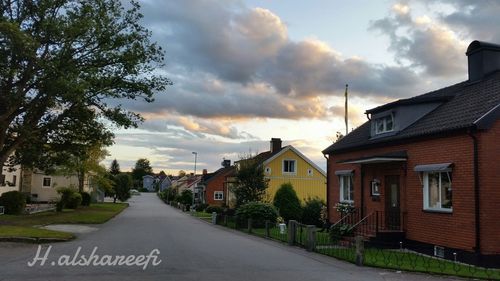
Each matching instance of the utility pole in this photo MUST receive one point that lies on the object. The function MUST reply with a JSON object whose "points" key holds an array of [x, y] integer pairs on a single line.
{"points": [[195, 158]]}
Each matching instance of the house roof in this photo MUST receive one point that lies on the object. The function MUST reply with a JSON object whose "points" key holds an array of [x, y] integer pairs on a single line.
{"points": [[289, 147], [464, 105], [221, 171]]}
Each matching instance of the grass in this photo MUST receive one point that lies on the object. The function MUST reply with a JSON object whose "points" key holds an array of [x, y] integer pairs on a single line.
{"points": [[203, 216], [7, 231], [410, 261], [27, 225]]}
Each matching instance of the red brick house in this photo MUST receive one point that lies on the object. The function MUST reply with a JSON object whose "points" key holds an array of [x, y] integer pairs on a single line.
{"points": [[215, 185], [427, 167]]}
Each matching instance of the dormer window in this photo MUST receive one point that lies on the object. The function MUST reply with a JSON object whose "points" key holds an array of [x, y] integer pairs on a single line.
{"points": [[384, 124]]}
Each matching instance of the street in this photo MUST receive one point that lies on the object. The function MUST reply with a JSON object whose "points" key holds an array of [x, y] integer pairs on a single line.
{"points": [[189, 249]]}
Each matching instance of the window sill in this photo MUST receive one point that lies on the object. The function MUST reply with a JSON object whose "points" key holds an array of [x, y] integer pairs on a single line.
{"points": [[289, 174], [439, 211], [347, 201]]}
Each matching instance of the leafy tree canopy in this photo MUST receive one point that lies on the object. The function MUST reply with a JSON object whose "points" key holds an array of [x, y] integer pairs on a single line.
{"points": [[114, 168], [142, 168], [287, 202], [250, 183], [65, 67]]}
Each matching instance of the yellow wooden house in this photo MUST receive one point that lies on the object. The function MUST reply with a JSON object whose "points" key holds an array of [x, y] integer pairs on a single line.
{"points": [[287, 164]]}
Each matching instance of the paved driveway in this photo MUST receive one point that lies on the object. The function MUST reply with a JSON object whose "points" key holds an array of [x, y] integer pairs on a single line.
{"points": [[189, 249]]}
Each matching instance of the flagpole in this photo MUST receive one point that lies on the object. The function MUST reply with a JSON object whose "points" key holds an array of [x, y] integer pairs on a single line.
{"points": [[346, 111]]}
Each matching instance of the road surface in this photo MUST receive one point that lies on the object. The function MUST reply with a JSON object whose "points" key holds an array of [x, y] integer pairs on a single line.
{"points": [[189, 249]]}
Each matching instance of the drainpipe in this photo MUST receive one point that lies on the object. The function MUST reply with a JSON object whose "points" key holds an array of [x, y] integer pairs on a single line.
{"points": [[327, 188], [362, 179], [476, 191]]}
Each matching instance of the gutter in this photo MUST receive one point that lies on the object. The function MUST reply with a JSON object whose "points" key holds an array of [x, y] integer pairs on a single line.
{"points": [[327, 188], [477, 214]]}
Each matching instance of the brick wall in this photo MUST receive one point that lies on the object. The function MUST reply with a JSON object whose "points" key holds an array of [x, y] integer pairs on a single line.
{"points": [[216, 183], [489, 175], [455, 230]]}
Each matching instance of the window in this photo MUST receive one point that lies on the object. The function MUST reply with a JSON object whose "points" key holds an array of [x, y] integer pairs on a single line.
{"points": [[14, 180], [346, 188], [268, 171], [437, 191], [289, 166], [218, 195], [2, 180], [309, 172], [384, 124], [47, 182]]}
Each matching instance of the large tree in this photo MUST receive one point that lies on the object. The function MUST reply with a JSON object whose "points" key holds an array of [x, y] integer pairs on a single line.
{"points": [[114, 168], [142, 167], [250, 183], [65, 68]]}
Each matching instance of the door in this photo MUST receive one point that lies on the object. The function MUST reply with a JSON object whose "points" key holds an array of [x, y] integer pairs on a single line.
{"points": [[392, 203]]}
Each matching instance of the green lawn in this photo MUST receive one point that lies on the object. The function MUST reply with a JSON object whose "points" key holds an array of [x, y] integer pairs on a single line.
{"points": [[202, 215], [410, 261], [32, 232], [27, 225]]}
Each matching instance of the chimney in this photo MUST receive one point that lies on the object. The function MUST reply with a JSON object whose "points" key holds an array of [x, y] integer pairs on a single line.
{"points": [[484, 58], [205, 171], [275, 145], [226, 163]]}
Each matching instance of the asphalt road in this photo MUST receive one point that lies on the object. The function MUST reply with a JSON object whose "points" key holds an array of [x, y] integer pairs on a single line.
{"points": [[189, 249]]}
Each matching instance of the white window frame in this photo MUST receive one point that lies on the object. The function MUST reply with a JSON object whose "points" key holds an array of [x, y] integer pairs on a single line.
{"points": [[268, 170], [350, 182], [294, 167], [425, 178], [216, 193], [43, 182], [384, 119]]}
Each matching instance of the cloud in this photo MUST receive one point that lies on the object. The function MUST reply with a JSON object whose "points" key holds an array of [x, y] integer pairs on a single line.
{"points": [[422, 43]]}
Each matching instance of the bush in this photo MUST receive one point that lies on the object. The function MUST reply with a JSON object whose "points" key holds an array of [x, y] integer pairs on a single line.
{"points": [[186, 197], [123, 184], [59, 206], [211, 209], [257, 211], [287, 203], [143, 189], [201, 207], [311, 213], [14, 202], [74, 201], [339, 231], [85, 198]]}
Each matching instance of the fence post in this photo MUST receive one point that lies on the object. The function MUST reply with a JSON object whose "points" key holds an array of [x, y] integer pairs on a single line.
{"points": [[249, 225], [292, 232], [225, 220], [268, 230], [360, 250], [214, 218], [311, 238]]}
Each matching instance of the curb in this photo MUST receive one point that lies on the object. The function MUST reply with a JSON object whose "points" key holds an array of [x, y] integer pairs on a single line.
{"points": [[34, 240]]}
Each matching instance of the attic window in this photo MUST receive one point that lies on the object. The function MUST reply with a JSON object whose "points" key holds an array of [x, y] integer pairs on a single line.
{"points": [[384, 124]]}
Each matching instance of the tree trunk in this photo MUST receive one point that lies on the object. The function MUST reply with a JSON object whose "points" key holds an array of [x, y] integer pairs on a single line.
{"points": [[81, 180]]}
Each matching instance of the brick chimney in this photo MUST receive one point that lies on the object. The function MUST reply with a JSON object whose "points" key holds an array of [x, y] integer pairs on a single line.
{"points": [[205, 171], [275, 145], [226, 163], [483, 59]]}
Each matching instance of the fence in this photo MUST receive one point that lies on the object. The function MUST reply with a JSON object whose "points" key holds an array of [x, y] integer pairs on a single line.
{"points": [[358, 249]]}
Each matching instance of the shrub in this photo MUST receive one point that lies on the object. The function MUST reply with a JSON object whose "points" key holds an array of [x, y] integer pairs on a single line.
{"points": [[201, 207], [143, 189], [74, 201], [66, 197], [257, 211], [14, 202], [339, 231], [123, 184], [311, 213], [59, 206], [85, 198], [186, 197], [287, 203], [211, 209]]}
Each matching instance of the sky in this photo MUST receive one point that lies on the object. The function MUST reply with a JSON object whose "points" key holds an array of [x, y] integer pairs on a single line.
{"points": [[244, 72]]}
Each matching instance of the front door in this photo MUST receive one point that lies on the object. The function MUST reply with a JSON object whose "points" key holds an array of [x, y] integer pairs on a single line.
{"points": [[392, 203]]}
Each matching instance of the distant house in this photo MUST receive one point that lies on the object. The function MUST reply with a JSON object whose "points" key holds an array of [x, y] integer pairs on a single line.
{"points": [[287, 165], [41, 187], [215, 185], [148, 182], [427, 167], [160, 181]]}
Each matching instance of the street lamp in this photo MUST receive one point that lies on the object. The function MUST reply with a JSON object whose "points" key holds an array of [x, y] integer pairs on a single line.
{"points": [[195, 158]]}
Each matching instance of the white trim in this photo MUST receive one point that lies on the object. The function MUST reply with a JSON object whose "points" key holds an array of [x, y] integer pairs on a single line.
{"points": [[383, 119], [426, 193], [486, 114], [220, 193], [294, 173], [350, 187], [43, 182], [310, 172], [289, 147]]}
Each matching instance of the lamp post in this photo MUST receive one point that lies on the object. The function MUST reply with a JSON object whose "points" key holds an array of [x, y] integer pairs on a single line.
{"points": [[195, 158]]}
